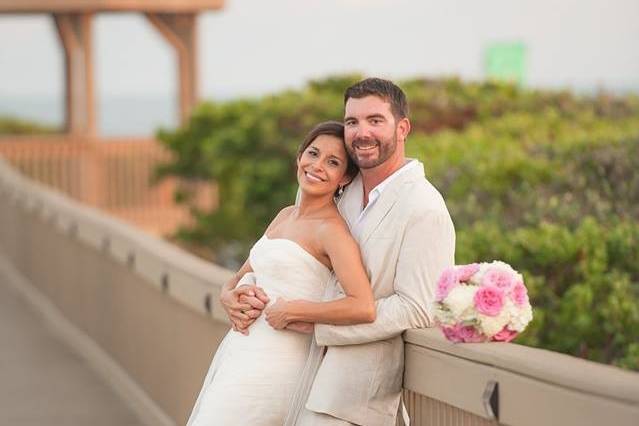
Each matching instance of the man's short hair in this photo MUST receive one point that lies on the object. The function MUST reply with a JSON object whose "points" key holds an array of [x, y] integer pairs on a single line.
{"points": [[384, 89]]}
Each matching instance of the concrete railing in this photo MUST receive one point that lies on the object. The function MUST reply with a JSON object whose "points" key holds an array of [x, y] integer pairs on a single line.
{"points": [[152, 310], [451, 384], [151, 307]]}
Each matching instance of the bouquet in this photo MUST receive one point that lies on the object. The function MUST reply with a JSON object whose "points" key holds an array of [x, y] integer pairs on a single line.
{"points": [[482, 302]]}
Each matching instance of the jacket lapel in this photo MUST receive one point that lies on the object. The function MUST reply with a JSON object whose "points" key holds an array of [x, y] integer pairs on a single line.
{"points": [[350, 204]]}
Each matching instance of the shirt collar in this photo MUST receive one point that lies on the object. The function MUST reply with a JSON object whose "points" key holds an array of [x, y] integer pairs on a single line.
{"points": [[377, 191], [383, 184]]}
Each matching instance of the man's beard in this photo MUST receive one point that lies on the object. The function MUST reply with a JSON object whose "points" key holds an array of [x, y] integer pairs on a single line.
{"points": [[385, 150]]}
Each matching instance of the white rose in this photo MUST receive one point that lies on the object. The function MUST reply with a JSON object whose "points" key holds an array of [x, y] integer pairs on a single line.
{"points": [[510, 308], [460, 301], [502, 266], [521, 318], [493, 325]]}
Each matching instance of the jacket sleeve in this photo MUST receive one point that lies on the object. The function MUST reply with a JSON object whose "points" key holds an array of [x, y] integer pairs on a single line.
{"points": [[427, 248]]}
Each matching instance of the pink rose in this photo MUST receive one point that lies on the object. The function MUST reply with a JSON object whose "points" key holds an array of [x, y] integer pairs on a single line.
{"points": [[452, 333], [469, 334], [489, 300], [519, 294], [465, 272], [498, 278], [446, 282], [505, 335]]}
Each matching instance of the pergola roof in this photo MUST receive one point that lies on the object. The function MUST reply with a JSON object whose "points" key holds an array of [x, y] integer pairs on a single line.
{"points": [[176, 20], [66, 6]]}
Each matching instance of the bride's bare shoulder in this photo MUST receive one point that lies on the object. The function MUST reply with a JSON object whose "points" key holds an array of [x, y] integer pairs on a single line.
{"points": [[334, 227], [285, 211]]}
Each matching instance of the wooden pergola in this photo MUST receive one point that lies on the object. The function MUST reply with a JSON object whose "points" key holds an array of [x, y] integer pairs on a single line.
{"points": [[174, 19]]}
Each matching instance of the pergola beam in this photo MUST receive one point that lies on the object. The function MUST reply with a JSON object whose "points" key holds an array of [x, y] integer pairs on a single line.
{"points": [[78, 6], [75, 32], [180, 31]]}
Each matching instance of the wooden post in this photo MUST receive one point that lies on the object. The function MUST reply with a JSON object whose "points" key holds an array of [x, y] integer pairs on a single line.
{"points": [[74, 30], [179, 29]]}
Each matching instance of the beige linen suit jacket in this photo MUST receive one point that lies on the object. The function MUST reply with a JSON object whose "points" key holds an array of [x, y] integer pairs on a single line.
{"points": [[407, 240]]}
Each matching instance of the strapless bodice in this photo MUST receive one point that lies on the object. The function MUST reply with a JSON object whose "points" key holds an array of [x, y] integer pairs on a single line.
{"points": [[283, 268]]}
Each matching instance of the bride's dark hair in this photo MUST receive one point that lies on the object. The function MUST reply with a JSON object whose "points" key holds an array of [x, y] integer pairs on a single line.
{"points": [[330, 128]]}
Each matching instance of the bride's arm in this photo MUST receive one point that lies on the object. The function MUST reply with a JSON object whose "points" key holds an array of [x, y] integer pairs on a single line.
{"points": [[358, 304]]}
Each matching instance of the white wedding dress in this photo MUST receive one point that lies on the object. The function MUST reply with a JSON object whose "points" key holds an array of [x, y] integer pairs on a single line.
{"points": [[252, 378]]}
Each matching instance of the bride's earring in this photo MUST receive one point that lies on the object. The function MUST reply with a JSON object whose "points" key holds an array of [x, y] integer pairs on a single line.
{"points": [[340, 190]]}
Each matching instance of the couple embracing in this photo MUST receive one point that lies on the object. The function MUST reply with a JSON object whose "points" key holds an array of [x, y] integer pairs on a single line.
{"points": [[319, 306]]}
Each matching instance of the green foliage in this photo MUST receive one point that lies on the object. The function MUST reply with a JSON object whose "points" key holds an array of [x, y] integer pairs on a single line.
{"points": [[17, 126], [544, 180]]}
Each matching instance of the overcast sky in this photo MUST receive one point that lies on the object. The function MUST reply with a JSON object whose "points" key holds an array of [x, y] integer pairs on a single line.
{"points": [[258, 46]]}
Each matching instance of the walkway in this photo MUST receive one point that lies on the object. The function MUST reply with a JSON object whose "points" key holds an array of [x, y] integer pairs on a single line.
{"points": [[42, 381]]}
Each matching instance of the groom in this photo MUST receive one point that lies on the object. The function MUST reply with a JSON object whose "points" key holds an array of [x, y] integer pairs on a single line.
{"points": [[406, 238]]}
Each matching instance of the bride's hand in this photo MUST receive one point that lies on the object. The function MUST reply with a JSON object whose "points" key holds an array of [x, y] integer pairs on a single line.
{"points": [[243, 305], [277, 315]]}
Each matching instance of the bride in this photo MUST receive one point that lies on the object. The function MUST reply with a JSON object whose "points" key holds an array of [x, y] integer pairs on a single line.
{"points": [[255, 372]]}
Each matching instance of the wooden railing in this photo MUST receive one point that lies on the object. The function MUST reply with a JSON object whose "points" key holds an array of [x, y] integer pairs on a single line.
{"points": [[153, 310], [116, 175]]}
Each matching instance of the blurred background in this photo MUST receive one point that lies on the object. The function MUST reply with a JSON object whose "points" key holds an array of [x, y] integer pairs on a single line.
{"points": [[253, 48], [526, 115]]}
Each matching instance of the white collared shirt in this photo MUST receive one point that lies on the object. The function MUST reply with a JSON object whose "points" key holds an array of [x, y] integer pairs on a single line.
{"points": [[375, 193]]}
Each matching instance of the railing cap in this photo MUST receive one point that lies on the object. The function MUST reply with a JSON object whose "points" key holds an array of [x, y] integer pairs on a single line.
{"points": [[551, 367]]}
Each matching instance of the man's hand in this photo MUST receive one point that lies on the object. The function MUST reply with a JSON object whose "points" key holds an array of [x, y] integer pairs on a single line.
{"points": [[301, 327], [277, 315], [243, 305]]}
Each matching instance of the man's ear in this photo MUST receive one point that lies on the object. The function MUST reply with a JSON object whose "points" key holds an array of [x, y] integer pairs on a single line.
{"points": [[403, 129]]}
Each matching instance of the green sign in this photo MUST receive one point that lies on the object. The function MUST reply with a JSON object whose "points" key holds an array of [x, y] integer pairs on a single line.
{"points": [[506, 61]]}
